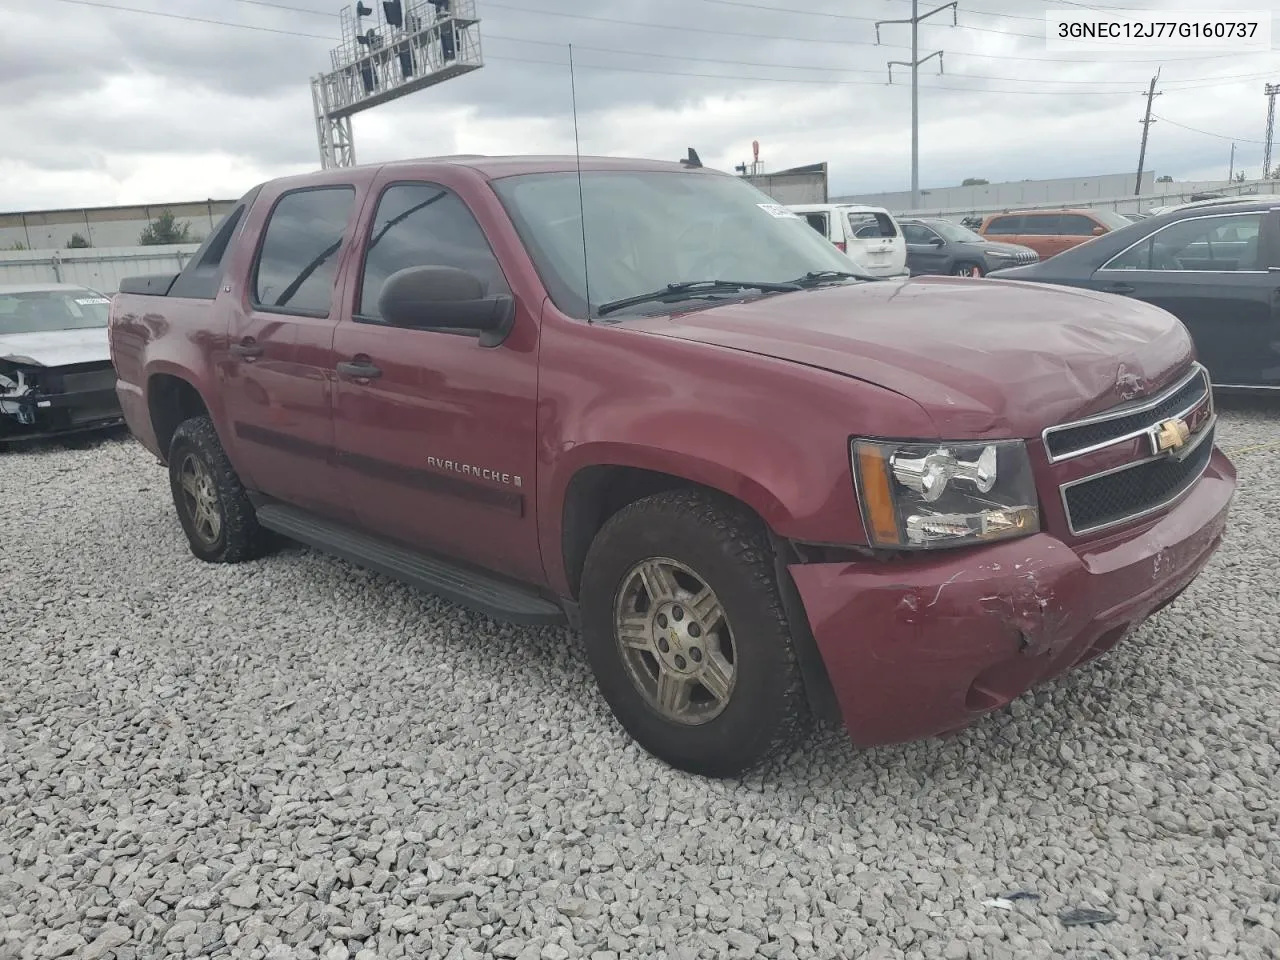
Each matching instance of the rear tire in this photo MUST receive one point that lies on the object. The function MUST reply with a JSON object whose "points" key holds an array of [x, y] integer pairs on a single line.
{"points": [[213, 508], [686, 635]]}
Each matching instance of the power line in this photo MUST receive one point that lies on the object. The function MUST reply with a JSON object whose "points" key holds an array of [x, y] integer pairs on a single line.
{"points": [[1207, 133], [98, 4], [191, 19]]}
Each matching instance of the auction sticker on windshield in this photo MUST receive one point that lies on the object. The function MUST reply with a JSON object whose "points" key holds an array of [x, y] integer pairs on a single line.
{"points": [[779, 211]]}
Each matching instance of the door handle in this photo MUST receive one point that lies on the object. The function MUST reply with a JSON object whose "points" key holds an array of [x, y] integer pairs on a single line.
{"points": [[246, 349], [358, 370], [1120, 288]]}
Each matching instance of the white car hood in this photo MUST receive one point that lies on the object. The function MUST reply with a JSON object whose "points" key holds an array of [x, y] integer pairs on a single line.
{"points": [[56, 348]]}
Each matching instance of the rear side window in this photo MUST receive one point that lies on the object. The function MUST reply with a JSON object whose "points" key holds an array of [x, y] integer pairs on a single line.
{"points": [[200, 278], [869, 226], [418, 225], [300, 249], [1075, 225], [818, 221], [1006, 226]]}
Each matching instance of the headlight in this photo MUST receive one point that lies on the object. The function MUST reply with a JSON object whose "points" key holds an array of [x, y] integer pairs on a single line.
{"points": [[1000, 254], [920, 495]]}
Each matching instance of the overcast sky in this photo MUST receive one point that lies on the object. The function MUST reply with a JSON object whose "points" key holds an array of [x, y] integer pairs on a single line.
{"points": [[103, 106]]}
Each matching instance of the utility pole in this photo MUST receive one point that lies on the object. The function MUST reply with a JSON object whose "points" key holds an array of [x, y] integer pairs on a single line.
{"points": [[1231, 171], [1146, 125], [914, 64], [1271, 90]]}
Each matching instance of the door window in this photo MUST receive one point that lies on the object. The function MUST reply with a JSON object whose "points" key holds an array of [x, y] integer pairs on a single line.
{"points": [[915, 233], [419, 225], [1075, 225], [1040, 225], [1208, 244], [871, 226], [1004, 226], [300, 250]]}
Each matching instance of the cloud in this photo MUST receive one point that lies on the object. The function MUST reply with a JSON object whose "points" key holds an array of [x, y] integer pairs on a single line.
{"points": [[107, 106]]}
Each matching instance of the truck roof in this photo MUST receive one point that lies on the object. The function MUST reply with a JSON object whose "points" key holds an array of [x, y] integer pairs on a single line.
{"points": [[495, 167]]}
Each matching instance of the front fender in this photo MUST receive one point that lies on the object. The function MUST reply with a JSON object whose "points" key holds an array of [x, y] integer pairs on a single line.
{"points": [[771, 433]]}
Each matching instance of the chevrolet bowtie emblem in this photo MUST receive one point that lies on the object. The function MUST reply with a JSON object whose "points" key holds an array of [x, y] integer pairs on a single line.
{"points": [[1171, 435]]}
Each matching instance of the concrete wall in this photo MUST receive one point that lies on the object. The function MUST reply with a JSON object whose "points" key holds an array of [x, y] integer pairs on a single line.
{"points": [[100, 268], [104, 226], [1113, 192]]}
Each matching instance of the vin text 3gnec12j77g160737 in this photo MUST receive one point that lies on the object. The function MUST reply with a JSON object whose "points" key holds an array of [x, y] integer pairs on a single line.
{"points": [[764, 487]]}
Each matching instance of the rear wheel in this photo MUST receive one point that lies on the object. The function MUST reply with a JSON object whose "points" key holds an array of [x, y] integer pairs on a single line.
{"points": [[213, 508], [686, 634]]}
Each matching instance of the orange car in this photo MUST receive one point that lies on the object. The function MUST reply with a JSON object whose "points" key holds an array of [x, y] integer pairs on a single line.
{"points": [[1051, 231]]}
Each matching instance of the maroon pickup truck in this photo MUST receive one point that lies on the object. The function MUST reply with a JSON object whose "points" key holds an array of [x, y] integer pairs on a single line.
{"points": [[640, 399]]}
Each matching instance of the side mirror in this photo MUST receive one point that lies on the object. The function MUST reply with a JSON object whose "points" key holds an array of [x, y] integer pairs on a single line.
{"points": [[446, 299], [938, 242], [1099, 231]]}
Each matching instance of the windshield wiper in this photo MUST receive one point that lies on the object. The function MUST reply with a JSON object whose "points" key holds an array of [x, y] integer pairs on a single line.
{"points": [[689, 289], [815, 277]]}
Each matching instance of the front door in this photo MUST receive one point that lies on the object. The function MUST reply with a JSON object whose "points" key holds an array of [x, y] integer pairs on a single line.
{"points": [[1212, 273], [436, 434], [278, 396], [924, 249]]}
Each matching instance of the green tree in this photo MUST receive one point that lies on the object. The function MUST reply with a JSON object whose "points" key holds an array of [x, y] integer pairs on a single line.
{"points": [[974, 182], [19, 245], [78, 242], [164, 229], [1165, 179]]}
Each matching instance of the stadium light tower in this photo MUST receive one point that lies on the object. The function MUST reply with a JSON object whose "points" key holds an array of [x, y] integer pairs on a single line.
{"points": [[385, 54]]}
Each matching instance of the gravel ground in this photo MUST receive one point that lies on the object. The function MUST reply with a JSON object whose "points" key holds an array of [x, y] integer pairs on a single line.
{"points": [[294, 758]]}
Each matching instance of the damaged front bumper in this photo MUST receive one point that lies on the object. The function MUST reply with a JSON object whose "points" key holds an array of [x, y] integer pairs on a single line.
{"points": [[38, 401], [926, 646]]}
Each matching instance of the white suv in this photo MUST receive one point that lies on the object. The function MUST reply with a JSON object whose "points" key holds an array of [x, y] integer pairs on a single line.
{"points": [[869, 236]]}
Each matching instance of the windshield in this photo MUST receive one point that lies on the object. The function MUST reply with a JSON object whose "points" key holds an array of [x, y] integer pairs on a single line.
{"points": [[1112, 220], [646, 230], [40, 311], [954, 232]]}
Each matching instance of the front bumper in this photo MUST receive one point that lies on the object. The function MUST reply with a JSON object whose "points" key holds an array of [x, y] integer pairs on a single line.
{"points": [[921, 647], [61, 401]]}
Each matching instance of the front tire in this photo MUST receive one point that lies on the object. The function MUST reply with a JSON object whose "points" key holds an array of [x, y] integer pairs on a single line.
{"points": [[686, 634], [213, 508], [967, 270]]}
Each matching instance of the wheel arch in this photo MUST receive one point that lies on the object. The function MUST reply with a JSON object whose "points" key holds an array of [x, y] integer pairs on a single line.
{"points": [[171, 399], [598, 491]]}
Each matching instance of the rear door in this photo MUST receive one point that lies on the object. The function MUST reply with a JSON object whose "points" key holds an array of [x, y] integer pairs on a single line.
{"points": [[875, 243], [1007, 228], [1220, 275], [278, 364]]}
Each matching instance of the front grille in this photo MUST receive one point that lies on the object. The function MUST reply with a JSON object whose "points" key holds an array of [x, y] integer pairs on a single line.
{"points": [[1124, 423], [1134, 491]]}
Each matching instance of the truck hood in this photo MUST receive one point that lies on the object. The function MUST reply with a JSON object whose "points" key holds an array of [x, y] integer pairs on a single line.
{"points": [[56, 348], [984, 358]]}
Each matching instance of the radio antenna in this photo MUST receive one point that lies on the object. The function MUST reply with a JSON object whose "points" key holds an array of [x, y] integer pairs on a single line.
{"points": [[582, 207]]}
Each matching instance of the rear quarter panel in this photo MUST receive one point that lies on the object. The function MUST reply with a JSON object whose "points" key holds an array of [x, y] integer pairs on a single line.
{"points": [[161, 335]]}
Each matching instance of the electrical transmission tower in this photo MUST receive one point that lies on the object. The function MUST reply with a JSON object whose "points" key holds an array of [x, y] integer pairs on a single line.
{"points": [[1146, 125], [1271, 90], [412, 45], [914, 64]]}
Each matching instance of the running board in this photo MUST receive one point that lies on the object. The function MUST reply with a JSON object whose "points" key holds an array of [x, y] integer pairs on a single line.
{"points": [[479, 591]]}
